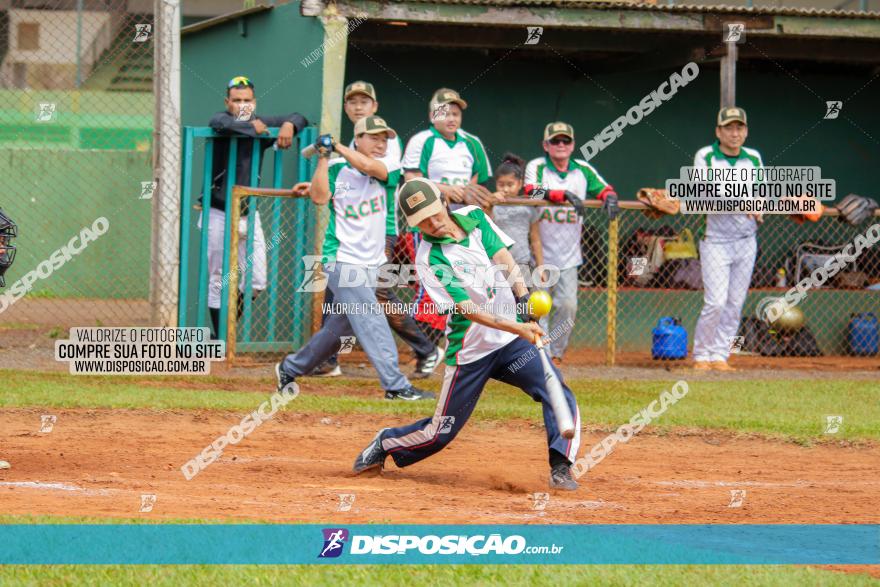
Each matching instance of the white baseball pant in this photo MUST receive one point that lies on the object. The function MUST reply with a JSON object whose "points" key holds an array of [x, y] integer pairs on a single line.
{"points": [[727, 272], [216, 226]]}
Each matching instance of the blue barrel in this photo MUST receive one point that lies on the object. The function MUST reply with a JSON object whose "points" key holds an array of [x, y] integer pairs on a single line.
{"points": [[862, 334], [670, 339]]}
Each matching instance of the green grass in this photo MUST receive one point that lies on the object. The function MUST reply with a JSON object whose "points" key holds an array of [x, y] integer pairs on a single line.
{"points": [[426, 576], [20, 326], [43, 294], [794, 410]]}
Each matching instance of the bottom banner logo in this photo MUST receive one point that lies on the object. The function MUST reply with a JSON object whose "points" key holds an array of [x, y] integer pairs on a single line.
{"points": [[334, 539]]}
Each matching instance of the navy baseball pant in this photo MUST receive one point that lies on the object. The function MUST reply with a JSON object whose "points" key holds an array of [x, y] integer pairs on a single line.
{"points": [[518, 364]]}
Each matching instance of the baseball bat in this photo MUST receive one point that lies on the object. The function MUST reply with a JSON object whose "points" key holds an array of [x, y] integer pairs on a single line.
{"points": [[309, 151], [561, 411]]}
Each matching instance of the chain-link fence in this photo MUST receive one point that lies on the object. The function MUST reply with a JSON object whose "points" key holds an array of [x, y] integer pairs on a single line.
{"points": [[77, 143], [638, 294], [663, 271], [659, 274]]}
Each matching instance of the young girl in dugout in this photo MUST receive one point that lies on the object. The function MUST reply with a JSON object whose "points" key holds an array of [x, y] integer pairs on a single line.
{"points": [[519, 222]]}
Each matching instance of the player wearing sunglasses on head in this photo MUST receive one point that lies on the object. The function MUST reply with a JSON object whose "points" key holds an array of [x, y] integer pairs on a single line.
{"points": [[240, 118]]}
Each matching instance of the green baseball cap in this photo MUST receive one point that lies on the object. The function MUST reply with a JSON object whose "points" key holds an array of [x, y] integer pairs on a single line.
{"points": [[360, 87], [447, 96], [732, 114], [419, 199], [372, 125], [557, 128]]}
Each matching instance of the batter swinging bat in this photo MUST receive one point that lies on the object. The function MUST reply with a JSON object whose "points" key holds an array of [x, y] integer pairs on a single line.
{"points": [[557, 398]]}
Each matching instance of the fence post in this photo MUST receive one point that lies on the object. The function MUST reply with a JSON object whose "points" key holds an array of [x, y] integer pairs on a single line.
{"points": [[165, 253], [232, 292], [186, 202], [611, 319]]}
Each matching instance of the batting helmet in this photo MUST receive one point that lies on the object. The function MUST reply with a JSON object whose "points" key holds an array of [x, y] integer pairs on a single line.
{"points": [[791, 321], [8, 231]]}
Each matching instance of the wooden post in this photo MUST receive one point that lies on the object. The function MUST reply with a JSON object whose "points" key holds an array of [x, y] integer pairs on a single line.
{"points": [[728, 76], [333, 85], [611, 318], [232, 304]]}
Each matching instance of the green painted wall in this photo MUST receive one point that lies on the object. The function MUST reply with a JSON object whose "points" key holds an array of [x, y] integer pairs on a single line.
{"points": [[82, 120], [88, 161], [510, 101], [270, 53], [53, 195]]}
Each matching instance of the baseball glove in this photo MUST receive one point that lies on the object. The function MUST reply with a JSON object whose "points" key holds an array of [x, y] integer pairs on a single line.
{"points": [[657, 202], [855, 209]]}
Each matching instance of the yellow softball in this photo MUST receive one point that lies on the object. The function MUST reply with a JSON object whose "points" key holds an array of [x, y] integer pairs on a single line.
{"points": [[540, 304]]}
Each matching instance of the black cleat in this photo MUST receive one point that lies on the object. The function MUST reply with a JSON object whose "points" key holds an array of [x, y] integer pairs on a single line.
{"points": [[426, 365], [282, 379], [411, 393], [373, 457], [560, 478]]}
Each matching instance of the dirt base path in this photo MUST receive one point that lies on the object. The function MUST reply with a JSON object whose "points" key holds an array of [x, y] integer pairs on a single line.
{"points": [[293, 468]]}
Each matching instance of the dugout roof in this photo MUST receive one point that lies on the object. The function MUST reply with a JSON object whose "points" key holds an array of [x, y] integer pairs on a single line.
{"points": [[645, 35]]}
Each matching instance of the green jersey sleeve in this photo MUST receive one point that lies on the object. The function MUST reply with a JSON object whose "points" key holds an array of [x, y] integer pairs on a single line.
{"points": [[493, 238], [481, 168]]}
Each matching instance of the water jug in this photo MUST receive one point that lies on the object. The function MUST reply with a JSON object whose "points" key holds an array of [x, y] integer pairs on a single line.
{"points": [[862, 334], [670, 339]]}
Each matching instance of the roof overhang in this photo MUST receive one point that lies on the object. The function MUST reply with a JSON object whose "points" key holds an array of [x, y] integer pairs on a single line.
{"points": [[580, 14]]}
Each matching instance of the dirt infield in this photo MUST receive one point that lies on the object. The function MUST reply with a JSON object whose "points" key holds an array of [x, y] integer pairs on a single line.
{"points": [[293, 468]]}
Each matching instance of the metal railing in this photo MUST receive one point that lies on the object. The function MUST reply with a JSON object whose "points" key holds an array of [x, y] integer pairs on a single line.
{"points": [[268, 334]]}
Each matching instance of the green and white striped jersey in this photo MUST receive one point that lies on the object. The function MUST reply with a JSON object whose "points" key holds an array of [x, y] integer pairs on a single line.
{"points": [[359, 207], [728, 227], [560, 228], [444, 161], [456, 271], [392, 158]]}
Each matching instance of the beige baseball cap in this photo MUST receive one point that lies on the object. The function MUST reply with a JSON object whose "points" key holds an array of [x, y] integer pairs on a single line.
{"points": [[447, 96], [555, 129], [419, 199], [360, 87], [731, 114], [372, 125]]}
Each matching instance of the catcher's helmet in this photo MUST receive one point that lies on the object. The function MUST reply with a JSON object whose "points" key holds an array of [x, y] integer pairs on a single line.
{"points": [[8, 231], [791, 320]]}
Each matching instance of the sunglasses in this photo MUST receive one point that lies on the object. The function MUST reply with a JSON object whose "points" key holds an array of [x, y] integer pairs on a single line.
{"points": [[560, 141], [240, 81]]}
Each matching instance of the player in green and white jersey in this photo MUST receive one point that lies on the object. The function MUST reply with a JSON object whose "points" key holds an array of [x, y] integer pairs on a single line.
{"points": [[357, 190], [451, 158], [360, 101], [465, 264], [446, 154], [561, 178]]}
